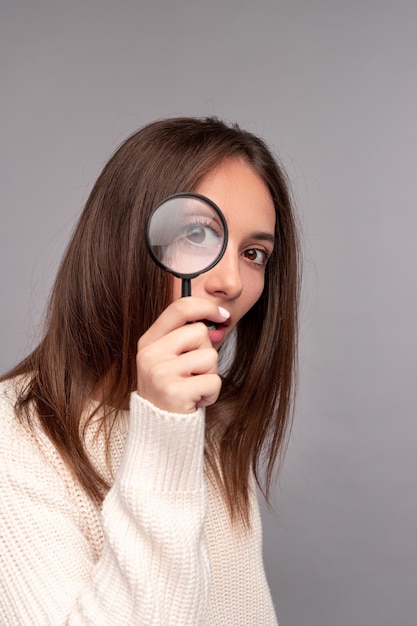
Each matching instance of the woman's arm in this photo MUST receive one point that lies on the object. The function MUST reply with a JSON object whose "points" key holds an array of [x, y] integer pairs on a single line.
{"points": [[153, 568]]}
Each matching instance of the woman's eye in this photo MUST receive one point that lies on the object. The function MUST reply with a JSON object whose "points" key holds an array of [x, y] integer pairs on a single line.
{"points": [[257, 256], [196, 234], [201, 235]]}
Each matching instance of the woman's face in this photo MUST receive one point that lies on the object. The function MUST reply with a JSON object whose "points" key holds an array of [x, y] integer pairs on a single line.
{"points": [[237, 281]]}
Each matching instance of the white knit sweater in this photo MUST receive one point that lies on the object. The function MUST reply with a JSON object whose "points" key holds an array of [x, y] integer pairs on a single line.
{"points": [[161, 550]]}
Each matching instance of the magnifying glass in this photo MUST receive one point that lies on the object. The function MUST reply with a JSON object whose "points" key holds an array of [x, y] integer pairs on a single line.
{"points": [[186, 235]]}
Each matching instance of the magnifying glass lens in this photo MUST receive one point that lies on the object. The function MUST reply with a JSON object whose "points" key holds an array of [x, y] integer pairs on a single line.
{"points": [[187, 234]]}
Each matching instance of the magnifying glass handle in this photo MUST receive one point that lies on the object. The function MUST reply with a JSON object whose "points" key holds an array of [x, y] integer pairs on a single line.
{"points": [[185, 287]]}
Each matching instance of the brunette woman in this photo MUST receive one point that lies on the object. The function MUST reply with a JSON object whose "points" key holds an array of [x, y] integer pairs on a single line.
{"points": [[134, 435]]}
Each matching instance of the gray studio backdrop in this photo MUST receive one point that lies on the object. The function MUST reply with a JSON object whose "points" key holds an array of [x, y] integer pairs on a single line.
{"points": [[332, 85]]}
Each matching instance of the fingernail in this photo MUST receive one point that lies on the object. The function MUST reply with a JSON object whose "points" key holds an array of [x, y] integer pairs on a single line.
{"points": [[225, 314]]}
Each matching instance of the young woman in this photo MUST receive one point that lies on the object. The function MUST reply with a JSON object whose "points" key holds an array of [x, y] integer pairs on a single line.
{"points": [[128, 463]]}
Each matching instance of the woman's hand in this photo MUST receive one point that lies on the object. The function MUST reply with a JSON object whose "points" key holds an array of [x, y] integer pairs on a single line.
{"points": [[176, 362]]}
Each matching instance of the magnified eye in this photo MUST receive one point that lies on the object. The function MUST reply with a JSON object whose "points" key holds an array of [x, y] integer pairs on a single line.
{"points": [[200, 234], [196, 234], [186, 234]]}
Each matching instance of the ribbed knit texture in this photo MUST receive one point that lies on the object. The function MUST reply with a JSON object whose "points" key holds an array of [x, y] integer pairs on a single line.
{"points": [[160, 551]]}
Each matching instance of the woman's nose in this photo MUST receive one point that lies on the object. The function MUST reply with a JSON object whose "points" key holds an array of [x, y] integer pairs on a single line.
{"points": [[225, 278]]}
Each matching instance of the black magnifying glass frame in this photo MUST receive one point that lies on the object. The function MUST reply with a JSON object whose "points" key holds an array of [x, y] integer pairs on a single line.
{"points": [[187, 277]]}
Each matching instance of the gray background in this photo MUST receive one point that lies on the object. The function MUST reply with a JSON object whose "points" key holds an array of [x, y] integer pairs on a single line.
{"points": [[333, 87]]}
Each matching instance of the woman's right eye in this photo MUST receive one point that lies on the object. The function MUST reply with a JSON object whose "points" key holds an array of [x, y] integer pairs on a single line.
{"points": [[199, 234], [196, 234]]}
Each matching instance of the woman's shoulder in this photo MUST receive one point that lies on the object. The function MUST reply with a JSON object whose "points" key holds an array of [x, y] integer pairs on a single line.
{"points": [[25, 449], [21, 435], [10, 391], [32, 472], [24, 442]]}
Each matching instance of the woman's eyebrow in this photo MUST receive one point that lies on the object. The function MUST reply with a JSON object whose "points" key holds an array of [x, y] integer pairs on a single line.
{"points": [[264, 236]]}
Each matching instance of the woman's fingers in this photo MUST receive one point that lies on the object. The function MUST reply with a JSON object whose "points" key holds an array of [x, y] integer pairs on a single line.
{"points": [[179, 381], [183, 339], [176, 362], [181, 312], [182, 384]]}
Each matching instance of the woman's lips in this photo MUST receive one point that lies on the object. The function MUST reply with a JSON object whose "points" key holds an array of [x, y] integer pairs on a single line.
{"points": [[217, 332]]}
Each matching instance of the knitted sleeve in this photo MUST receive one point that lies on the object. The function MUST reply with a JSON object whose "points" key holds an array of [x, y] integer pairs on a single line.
{"points": [[153, 568]]}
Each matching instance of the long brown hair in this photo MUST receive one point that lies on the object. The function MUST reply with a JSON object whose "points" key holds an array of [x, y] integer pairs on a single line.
{"points": [[108, 292]]}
